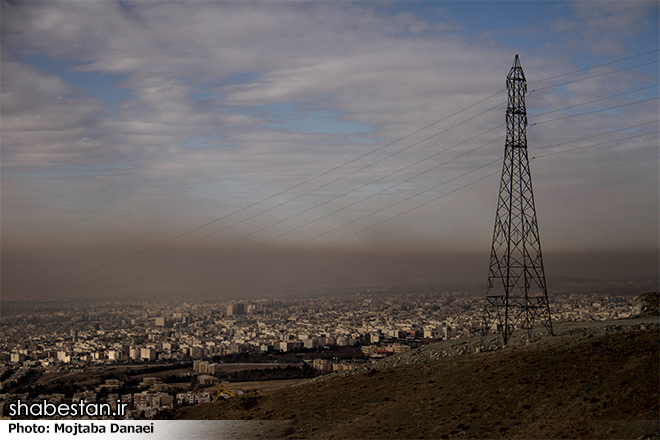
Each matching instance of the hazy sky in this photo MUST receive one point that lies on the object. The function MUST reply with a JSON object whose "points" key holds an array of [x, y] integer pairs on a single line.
{"points": [[125, 124]]}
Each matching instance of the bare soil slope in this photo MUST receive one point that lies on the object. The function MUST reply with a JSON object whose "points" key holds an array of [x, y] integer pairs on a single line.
{"points": [[578, 386]]}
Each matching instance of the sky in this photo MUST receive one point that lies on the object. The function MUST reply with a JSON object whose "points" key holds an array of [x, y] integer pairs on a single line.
{"points": [[298, 144]]}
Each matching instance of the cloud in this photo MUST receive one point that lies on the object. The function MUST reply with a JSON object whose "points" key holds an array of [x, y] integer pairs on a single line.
{"points": [[224, 104], [46, 120], [605, 28]]}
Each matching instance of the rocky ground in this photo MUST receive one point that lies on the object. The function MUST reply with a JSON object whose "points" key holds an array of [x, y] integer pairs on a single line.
{"points": [[592, 380]]}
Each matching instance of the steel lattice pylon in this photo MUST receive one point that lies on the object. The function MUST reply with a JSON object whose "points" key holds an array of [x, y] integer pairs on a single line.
{"points": [[517, 293]]}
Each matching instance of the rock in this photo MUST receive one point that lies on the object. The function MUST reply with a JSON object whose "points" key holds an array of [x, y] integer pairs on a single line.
{"points": [[646, 304]]}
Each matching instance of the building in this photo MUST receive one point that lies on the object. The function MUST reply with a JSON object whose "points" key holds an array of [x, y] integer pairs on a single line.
{"points": [[207, 380], [148, 354]]}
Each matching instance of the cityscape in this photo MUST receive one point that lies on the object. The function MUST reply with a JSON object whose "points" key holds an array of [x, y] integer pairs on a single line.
{"points": [[172, 353]]}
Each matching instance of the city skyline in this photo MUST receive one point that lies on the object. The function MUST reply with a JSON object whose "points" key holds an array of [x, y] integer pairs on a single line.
{"points": [[119, 351]]}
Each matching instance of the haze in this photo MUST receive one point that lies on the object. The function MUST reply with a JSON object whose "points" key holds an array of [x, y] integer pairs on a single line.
{"points": [[127, 124]]}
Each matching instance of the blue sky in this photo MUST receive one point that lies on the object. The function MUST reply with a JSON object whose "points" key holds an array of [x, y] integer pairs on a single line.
{"points": [[100, 85], [150, 118]]}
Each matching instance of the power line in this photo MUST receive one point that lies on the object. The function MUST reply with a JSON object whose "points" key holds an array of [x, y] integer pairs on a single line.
{"points": [[380, 192], [443, 195], [324, 216], [398, 203], [295, 198], [599, 134], [593, 67], [284, 191], [593, 76], [356, 189], [597, 145], [594, 101], [420, 205], [336, 228], [368, 197], [596, 111], [338, 167]]}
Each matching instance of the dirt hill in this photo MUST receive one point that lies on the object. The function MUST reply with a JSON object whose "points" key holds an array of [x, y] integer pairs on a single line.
{"points": [[591, 382]]}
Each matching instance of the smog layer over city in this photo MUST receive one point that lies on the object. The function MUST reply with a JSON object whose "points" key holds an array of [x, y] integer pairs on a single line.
{"points": [[320, 214]]}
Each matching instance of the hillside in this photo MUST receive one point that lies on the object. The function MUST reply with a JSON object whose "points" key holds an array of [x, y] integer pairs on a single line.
{"points": [[590, 382]]}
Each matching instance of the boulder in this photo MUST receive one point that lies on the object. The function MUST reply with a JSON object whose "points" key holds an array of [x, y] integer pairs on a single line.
{"points": [[646, 304]]}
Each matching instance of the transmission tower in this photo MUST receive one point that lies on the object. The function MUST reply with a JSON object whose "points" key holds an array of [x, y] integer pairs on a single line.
{"points": [[517, 293]]}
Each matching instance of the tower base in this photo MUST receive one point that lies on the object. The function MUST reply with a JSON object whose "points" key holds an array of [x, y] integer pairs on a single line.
{"points": [[507, 314]]}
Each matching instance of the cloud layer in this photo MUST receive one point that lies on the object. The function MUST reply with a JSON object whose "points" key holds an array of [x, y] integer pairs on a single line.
{"points": [[200, 109]]}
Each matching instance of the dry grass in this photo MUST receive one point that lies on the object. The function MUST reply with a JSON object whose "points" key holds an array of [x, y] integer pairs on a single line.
{"points": [[602, 386]]}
